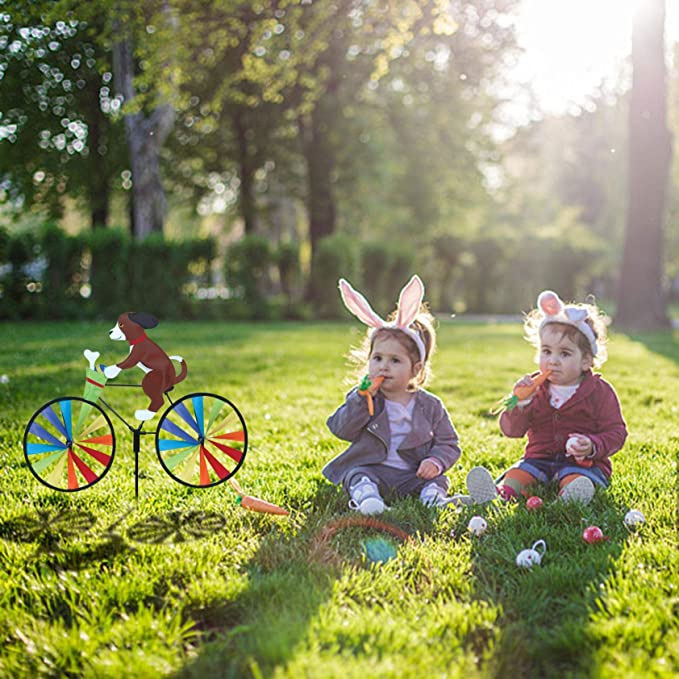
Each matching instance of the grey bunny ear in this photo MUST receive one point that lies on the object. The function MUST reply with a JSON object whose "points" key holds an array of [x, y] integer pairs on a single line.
{"points": [[145, 320]]}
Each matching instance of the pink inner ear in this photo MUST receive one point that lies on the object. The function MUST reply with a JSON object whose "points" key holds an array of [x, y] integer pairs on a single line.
{"points": [[550, 303]]}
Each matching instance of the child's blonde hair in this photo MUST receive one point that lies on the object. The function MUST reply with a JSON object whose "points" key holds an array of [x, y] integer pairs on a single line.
{"points": [[424, 325], [596, 319]]}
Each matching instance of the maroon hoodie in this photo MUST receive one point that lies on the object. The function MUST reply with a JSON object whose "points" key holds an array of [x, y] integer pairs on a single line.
{"points": [[593, 410]]}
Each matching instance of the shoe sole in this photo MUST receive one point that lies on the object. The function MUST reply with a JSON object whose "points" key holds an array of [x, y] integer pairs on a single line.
{"points": [[580, 490], [481, 486]]}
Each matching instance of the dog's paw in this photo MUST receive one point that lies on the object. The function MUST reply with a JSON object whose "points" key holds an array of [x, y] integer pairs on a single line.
{"points": [[144, 415], [112, 371]]}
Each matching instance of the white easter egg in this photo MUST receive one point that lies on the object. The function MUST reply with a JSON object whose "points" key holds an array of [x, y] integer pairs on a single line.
{"points": [[634, 517], [477, 525], [572, 441], [527, 558]]}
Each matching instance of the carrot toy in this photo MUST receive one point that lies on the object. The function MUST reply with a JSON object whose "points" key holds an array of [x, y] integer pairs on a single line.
{"points": [[368, 388], [254, 504], [521, 393]]}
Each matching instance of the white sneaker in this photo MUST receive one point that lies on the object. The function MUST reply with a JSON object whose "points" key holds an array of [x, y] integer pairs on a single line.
{"points": [[481, 486], [365, 497], [579, 490], [433, 496]]}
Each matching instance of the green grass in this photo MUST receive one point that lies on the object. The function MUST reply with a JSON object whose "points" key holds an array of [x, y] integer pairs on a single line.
{"points": [[186, 584]]}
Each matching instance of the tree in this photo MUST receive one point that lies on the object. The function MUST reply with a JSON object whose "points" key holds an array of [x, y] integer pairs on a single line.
{"points": [[58, 130], [641, 301], [147, 122]]}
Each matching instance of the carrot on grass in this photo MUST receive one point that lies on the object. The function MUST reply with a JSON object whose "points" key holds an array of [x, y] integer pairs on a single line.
{"points": [[255, 504]]}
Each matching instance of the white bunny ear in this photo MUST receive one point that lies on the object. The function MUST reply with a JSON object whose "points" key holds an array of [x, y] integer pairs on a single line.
{"points": [[358, 305], [549, 303], [409, 302], [576, 315]]}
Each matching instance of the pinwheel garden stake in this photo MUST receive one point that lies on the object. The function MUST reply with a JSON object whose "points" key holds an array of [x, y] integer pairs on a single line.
{"points": [[69, 443]]}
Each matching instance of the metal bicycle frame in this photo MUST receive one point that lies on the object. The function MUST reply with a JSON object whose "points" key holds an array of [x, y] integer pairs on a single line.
{"points": [[137, 433]]}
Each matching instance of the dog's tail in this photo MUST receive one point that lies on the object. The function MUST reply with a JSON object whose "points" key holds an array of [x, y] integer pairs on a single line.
{"points": [[182, 372]]}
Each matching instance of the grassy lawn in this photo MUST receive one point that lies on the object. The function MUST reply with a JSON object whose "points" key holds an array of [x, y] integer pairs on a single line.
{"points": [[187, 584]]}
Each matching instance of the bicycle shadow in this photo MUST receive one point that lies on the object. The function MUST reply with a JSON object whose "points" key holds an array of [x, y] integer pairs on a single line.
{"points": [[545, 611], [289, 579], [67, 538]]}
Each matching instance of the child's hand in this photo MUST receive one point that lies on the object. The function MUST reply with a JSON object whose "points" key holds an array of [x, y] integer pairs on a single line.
{"points": [[427, 470], [578, 446], [525, 381]]}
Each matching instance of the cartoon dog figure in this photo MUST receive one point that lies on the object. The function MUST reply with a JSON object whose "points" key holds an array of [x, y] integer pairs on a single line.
{"points": [[147, 355]]}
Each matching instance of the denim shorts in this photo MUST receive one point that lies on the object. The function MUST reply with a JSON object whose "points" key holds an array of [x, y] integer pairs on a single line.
{"points": [[555, 468]]}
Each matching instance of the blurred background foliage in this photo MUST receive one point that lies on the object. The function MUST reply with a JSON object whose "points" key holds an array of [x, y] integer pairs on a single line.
{"points": [[307, 141]]}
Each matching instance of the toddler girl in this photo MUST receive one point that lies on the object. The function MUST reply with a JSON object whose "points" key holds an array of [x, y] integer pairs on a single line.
{"points": [[573, 420], [407, 441]]}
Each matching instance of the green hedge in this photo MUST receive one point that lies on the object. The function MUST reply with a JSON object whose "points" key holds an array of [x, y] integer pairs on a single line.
{"points": [[49, 274]]}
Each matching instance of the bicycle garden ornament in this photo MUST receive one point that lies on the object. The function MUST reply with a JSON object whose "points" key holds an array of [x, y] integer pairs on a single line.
{"points": [[201, 438]]}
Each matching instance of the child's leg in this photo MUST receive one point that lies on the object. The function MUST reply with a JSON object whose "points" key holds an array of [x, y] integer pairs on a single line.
{"points": [[576, 488], [516, 482], [362, 485]]}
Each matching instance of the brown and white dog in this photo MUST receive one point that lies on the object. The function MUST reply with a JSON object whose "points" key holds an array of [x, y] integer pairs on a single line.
{"points": [[147, 355]]}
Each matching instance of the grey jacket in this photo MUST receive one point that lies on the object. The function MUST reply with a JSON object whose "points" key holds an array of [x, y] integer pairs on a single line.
{"points": [[432, 435]]}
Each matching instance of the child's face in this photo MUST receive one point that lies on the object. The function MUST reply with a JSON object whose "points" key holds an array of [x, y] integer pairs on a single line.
{"points": [[390, 359], [562, 356]]}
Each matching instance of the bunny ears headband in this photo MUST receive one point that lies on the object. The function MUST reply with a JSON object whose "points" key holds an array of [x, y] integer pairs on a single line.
{"points": [[556, 311], [409, 302]]}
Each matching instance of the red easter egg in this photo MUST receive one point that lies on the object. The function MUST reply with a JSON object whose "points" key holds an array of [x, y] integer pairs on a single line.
{"points": [[533, 502], [592, 535]]}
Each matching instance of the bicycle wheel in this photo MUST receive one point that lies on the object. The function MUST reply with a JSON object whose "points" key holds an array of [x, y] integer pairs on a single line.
{"points": [[201, 440], [69, 444]]}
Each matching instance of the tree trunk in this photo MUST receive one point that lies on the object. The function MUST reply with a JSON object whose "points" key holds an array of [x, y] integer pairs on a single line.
{"points": [[247, 184], [320, 161], [98, 184], [641, 300], [145, 136]]}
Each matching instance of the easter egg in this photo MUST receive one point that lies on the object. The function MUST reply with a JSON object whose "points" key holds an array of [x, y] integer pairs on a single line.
{"points": [[477, 525], [533, 503], [592, 534], [633, 518]]}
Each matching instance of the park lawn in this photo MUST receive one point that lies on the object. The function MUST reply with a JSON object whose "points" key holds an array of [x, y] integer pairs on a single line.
{"points": [[187, 584]]}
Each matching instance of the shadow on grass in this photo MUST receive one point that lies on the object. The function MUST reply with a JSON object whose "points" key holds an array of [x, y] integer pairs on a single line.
{"points": [[662, 343], [58, 533], [290, 578], [546, 610]]}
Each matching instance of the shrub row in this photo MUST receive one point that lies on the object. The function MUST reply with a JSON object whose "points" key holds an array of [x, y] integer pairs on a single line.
{"points": [[50, 274]]}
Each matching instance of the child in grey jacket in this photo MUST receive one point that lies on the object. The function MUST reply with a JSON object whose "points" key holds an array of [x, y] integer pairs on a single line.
{"points": [[401, 436]]}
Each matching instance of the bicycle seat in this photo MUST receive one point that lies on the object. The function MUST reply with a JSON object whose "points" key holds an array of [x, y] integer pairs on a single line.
{"points": [[168, 390]]}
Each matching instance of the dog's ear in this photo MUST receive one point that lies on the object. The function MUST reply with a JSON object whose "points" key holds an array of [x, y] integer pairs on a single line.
{"points": [[146, 321]]}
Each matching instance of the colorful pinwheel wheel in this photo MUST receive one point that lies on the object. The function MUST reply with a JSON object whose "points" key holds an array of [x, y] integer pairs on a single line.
{"points": [[69, 444], [201, 440]]}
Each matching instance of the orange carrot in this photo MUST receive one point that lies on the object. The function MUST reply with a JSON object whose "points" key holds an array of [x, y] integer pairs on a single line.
{"points": [[254, 504], [521, 393], [368, 388]]}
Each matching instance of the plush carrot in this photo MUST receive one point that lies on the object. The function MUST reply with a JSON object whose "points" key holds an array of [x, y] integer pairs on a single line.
{"points": [[522, 392], [368, 388], [254, 504]]}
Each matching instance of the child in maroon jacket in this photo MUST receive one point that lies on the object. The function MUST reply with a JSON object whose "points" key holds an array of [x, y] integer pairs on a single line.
{"points": [[573, 420]]}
